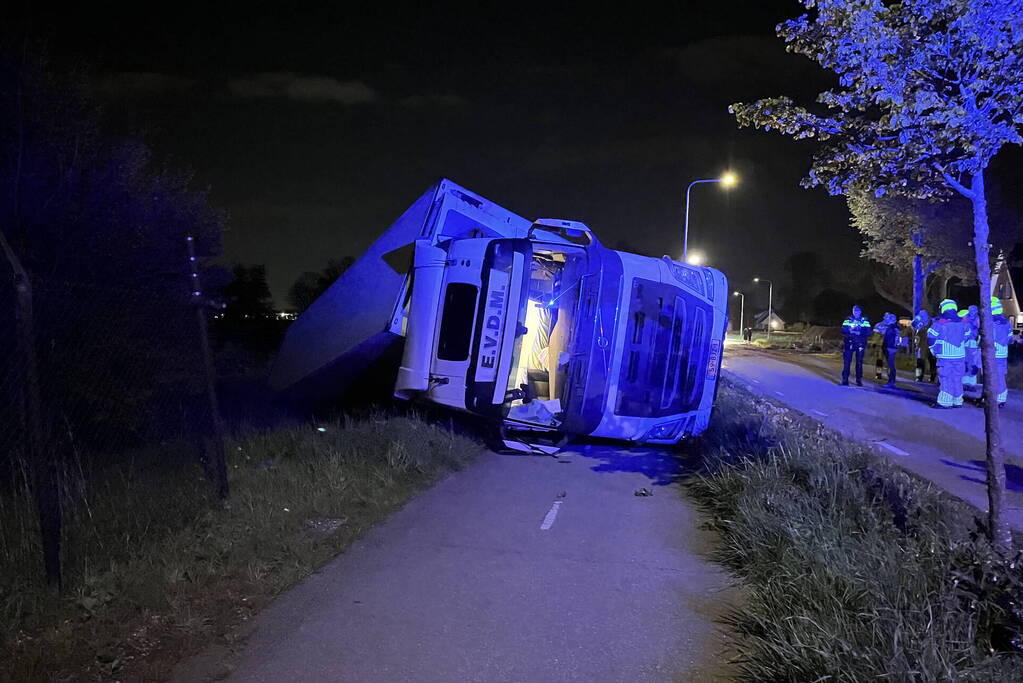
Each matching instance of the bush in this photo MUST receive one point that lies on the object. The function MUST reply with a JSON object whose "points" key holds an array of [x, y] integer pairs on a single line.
{"points": [[855, 570]]}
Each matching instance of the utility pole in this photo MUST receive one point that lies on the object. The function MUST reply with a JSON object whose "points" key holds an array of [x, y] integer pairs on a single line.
{"points": [[213, 441], [742, 309], [770, 305]]}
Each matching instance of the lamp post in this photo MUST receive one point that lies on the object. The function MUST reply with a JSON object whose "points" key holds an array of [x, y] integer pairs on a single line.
{"points": [[727, 180], [742, 310], [770, 304]]}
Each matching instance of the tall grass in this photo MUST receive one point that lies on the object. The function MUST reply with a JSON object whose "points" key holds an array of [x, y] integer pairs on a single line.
{"points": [[155, 567], [854, 570]]}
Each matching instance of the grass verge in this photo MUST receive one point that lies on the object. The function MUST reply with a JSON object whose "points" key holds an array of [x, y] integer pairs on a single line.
{"points": [[854, 570], [156, 569]]}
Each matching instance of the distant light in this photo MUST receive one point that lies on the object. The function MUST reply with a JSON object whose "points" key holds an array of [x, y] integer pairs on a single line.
{"points": [[321, 429], [729, 179], [756, 279], [774, 324], [695, 259], [735, 294]]}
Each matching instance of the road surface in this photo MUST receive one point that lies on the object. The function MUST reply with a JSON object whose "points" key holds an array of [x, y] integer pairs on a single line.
{"points": [[519, 568], [945, 446]]}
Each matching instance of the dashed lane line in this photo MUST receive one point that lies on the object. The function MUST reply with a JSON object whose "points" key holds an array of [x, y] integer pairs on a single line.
{"points": [[818, 412], [894, 449], [552, 514]]}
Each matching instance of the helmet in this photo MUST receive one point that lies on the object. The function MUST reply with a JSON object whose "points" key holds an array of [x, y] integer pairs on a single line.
{"points": [[963, 313], [947, 305], [996, 305]]}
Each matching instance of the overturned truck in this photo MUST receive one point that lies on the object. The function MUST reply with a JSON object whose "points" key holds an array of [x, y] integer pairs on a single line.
{"points": [[532, 325]]}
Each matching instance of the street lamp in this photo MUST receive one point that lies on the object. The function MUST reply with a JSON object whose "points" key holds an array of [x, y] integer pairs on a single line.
{"points": [[695, 259], [727, 180], [742, 310], [770, 305]]}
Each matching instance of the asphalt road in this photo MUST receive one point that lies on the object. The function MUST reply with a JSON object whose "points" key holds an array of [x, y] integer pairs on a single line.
{"points": [[945, 446], [519, 568]]}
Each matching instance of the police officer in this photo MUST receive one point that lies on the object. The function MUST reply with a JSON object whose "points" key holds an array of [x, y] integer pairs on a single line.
{"points": [[1002, 336], [891, 340], [971, 317], [856, 331], [947, 338]]}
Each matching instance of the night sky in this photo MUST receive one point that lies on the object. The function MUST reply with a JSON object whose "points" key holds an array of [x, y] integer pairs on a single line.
{"points": [[315, 128]]}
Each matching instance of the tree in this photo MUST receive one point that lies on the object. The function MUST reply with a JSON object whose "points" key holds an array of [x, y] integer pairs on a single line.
{"points": [[93, 239], [249, 318], [916, 238], [928, 92], [309, 285]]}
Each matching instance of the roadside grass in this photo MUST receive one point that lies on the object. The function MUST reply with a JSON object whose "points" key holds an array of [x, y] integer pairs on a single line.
{"points": [[156, 568], [853, 569]]}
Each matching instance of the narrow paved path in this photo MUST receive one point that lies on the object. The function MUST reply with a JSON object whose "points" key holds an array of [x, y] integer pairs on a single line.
{"points": [[945, 446], [518, 568]]}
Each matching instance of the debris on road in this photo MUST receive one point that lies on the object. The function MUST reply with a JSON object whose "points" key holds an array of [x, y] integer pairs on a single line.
{"points": [[643, 492]]}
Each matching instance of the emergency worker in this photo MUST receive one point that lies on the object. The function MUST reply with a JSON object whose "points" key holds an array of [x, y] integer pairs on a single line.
{"points": [[856, 331], [891, 340], [925, 360], [947, 338], [1002, 337], [971, 317]]}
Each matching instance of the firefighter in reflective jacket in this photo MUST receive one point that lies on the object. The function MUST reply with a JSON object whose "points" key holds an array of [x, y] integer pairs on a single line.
{"points": [[971, 367], [947, 339], [1002, 335], [856, 330]]}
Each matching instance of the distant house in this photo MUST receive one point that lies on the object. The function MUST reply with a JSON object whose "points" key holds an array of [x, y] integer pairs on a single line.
{"points": [[1003, 278], [760, 321]]}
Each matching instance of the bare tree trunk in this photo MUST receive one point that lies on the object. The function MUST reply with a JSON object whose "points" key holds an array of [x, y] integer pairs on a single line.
{"points": [[45, 486], [998, 528]]}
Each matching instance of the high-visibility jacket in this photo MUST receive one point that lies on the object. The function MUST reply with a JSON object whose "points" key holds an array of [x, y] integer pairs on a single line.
{"points": [[947, 339], [1001, 336], [856, 332]]}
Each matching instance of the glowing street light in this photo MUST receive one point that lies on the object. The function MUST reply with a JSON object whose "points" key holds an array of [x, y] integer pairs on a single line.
{"points": [[770, 305], [742, 310], [695, 259], [729, 179]]}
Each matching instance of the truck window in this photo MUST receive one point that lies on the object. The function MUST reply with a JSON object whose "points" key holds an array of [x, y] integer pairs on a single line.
{"points": [[456, 321]]}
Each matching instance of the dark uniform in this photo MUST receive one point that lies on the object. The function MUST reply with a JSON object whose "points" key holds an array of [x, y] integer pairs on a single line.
{"points": [[891, 339], [855, 333]]}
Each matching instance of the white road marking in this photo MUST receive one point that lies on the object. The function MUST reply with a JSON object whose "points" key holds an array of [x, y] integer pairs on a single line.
{"points": [[818, 412], [755, 381], [893, 449], [779, 393], [552, 514]]}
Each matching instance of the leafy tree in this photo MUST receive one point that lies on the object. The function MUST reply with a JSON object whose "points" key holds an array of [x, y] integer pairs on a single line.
{"points": [[310, 285], [916, 238], [249, 318], [928, 92], [93, 234]]}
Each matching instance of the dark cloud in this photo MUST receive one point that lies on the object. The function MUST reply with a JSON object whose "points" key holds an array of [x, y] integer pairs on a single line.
{"points": [[129, 83], [445, 100], [302, 88], [744, 67]]}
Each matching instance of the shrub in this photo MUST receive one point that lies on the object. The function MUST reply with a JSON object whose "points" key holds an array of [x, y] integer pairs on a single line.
{"points": [[855, 570]]}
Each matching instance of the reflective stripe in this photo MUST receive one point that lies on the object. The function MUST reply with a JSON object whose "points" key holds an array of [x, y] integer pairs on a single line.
{"points": [[1001, 350], [945, 399]]}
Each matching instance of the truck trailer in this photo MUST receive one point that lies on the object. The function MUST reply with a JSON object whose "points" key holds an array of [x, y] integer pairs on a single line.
{"points": [[534, 326]]}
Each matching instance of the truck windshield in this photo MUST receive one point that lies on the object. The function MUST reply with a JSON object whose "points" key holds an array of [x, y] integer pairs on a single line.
{"points": [[547, 325]]}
